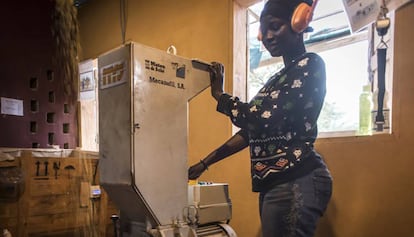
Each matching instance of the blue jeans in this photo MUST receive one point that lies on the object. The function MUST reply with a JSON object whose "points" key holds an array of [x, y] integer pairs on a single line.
{"points": [[293, 209]]}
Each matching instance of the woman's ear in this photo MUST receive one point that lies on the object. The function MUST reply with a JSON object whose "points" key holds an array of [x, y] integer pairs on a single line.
{"points": [[259, 34]]}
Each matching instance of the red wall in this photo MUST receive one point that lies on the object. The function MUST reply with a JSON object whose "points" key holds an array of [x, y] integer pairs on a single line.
{"points": [[26, 53]]}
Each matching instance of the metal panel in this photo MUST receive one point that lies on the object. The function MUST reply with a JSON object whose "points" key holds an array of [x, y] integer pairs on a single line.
{"points": [[212, 202], [115, 134], [115, 118], [143, 130], [163, 85]]}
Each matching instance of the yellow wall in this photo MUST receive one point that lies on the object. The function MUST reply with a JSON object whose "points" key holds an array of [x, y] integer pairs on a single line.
{"points": [[374, 187]]}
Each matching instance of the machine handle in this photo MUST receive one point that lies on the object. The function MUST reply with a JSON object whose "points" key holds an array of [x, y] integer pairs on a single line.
{"points": [[200, 65]]}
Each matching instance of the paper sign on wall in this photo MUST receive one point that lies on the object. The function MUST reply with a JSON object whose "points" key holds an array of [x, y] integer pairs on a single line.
{"points": [[11, 106], [364, 12], [87, 77]]}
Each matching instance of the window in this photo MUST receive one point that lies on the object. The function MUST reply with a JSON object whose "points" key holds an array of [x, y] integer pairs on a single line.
{"points": [[347, 61]]}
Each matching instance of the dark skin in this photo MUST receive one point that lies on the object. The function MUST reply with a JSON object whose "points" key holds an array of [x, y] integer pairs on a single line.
{"points": [[235, 144], [281, 41]]}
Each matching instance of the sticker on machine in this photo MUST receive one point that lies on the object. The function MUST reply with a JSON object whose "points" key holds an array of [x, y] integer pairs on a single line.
{"points": [[113, 74]]}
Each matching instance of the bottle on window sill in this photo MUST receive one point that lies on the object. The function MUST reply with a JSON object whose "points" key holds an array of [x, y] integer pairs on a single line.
{"points": [[365, 108]]}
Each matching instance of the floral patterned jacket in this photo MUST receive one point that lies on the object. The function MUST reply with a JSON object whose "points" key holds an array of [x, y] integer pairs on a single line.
{"points": [[280, 122]]}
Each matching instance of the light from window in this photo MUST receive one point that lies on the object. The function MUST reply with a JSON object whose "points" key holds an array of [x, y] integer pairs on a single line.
{"points": [[346, 74]]}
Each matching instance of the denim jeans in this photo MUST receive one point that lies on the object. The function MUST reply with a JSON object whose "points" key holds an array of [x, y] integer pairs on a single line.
{"points": [[293, 209]]}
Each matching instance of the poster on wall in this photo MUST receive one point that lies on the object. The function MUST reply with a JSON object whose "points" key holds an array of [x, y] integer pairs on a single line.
{"points": [[364, 12], [87, 85], [11, 106], [87, 79]]}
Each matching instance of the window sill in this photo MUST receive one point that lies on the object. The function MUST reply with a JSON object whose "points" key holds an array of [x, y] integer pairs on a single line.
{"points": [[351, 136]]}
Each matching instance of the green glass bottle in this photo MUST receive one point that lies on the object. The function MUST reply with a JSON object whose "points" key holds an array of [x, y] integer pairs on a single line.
{"points": [[365, 107]]}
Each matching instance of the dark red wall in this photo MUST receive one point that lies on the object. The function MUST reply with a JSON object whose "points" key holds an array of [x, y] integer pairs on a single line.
{"points": [[26, 54]]}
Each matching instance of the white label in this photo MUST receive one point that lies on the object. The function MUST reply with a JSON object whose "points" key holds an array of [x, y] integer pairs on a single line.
{"points": [[11, 106]]}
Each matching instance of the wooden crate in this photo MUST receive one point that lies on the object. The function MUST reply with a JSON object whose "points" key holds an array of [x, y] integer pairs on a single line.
{"points": [[56, 199]]}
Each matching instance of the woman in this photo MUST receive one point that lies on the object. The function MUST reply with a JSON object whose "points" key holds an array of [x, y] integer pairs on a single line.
{"points": [[280, 126]]}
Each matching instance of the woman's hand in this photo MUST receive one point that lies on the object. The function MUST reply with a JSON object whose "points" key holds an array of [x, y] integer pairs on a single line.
{"points": [[216, 79], [196, 170]]}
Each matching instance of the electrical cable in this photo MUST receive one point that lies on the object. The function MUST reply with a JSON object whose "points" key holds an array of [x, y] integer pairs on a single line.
{"points": [[123, 18]]}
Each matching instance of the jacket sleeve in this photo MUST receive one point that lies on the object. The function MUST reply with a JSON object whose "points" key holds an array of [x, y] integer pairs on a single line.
{"points": [[296, 96]]}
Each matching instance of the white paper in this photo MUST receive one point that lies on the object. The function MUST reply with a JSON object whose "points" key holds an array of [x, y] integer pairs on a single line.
{"points": [[87, 79], [364, 12], [87, 85], [11, 106]]}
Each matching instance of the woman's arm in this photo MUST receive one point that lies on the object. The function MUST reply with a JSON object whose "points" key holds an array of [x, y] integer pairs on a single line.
{"points": [[235, 144], [298, 89]]}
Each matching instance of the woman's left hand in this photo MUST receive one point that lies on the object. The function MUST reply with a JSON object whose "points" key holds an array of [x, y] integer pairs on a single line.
{"points": [[196, 170], [216, 79]]}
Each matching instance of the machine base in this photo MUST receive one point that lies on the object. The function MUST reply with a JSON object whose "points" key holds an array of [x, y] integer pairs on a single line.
{"points": [[211, 230]]}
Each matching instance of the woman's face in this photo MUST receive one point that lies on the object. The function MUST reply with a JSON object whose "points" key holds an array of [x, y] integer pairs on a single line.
{"points": [[277, 35]]}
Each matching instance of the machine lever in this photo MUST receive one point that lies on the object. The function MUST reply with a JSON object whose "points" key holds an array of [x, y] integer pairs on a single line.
{"points": [[200, 65]]}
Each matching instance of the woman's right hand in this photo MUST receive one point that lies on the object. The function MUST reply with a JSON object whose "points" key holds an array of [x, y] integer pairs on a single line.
{"points": [[196, 170]]}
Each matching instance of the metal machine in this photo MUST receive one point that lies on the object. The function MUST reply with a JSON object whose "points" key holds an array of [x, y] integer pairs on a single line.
{"points": [[143, 120]]}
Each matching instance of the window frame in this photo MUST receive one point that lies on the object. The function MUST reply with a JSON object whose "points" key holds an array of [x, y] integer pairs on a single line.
{"points": [[351, 37]]}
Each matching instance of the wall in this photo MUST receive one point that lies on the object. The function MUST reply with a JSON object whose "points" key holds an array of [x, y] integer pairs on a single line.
{"points": [[373, 178], [26, 47], [373, 189]]}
